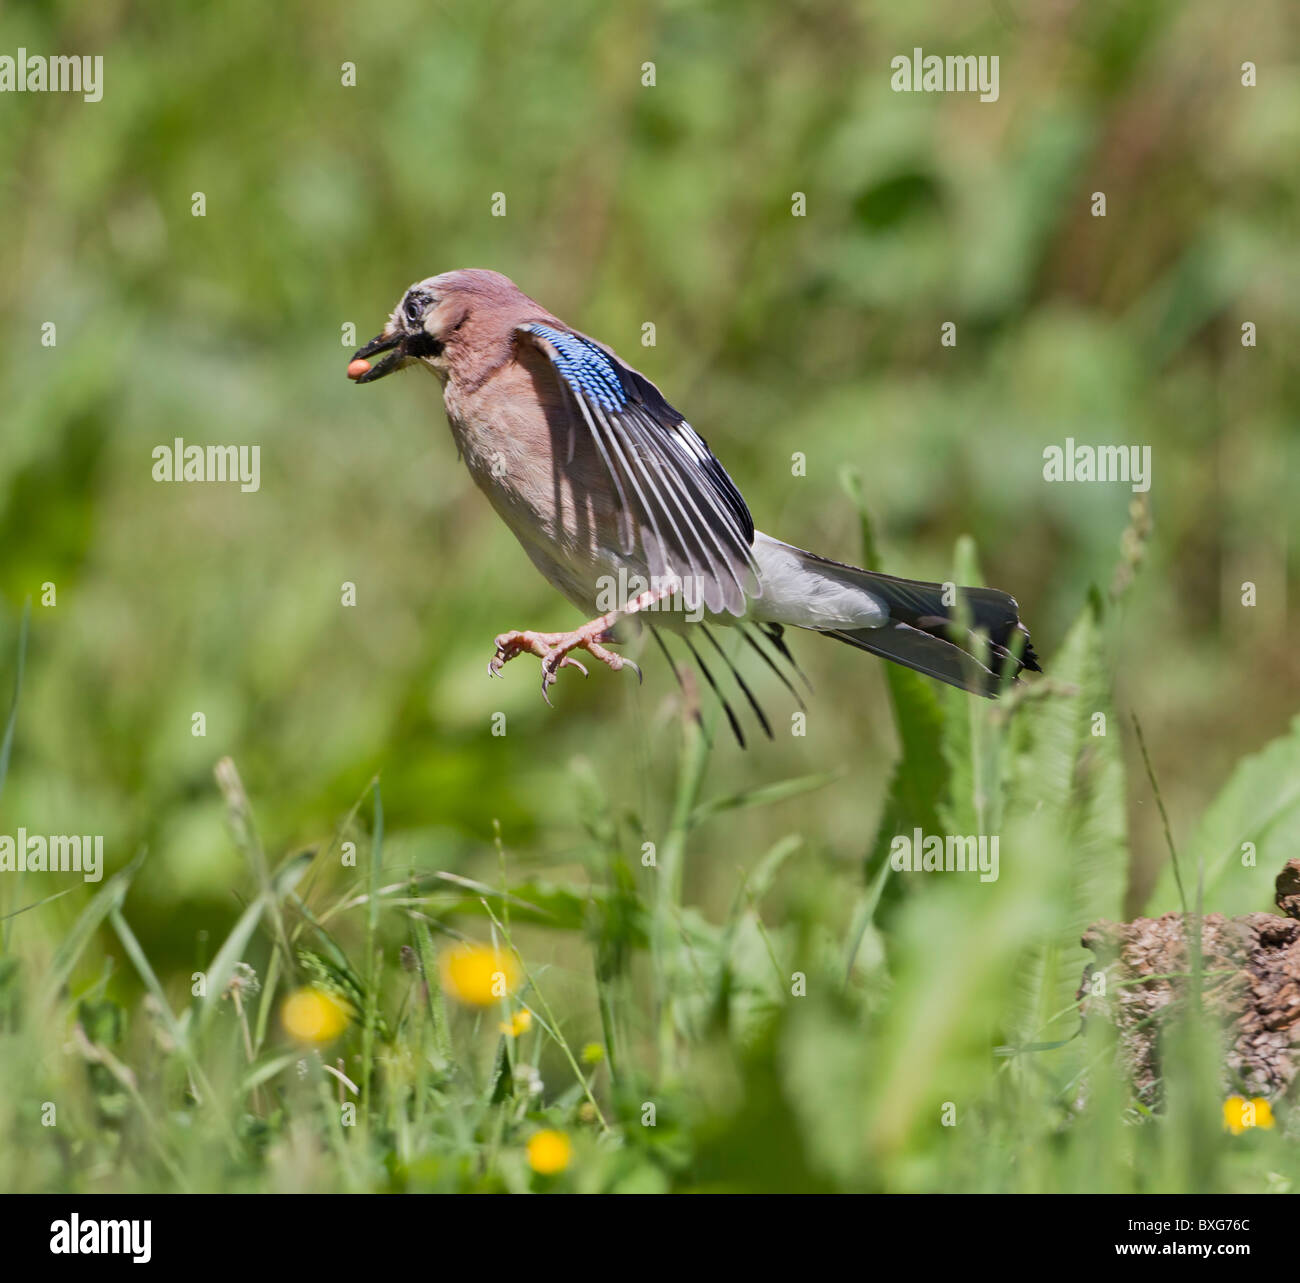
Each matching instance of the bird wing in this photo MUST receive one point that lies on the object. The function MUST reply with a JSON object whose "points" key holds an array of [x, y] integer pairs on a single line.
{"points": [[672, 493]]}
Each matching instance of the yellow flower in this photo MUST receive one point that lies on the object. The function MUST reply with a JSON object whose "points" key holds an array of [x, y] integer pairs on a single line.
{"points": [[478, 975], [312, 1015], [1240, 1114], [593, 1053], [549, 1152], [518, 1024]]}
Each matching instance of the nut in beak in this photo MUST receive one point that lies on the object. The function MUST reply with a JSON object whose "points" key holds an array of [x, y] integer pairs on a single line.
{"points": [[361, 371]]}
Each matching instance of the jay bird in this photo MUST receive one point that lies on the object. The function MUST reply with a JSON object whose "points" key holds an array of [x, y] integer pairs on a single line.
{"points": [[604, 484]]}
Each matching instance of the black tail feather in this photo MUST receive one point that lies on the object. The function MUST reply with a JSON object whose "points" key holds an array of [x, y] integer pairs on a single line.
{"points": [[746, 633], [717, 690], [977, 644], [972, 644], [740, 681]]}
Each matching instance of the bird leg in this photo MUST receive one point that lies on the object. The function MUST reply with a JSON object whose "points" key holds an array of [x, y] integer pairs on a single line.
{"points": [[555, 649]]}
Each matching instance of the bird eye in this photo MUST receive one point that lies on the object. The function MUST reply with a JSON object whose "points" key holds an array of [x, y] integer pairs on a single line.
{"points": [[415, 309]]}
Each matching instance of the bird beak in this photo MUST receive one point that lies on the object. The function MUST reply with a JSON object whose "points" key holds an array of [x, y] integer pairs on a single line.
{"points": [[361, 371]]}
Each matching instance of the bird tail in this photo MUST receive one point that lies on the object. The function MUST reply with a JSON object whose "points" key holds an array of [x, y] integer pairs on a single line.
{"points": [[967, 637], [933, 638]]}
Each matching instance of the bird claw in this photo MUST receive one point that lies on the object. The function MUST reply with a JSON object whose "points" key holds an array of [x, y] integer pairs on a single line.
{"points": [[551, 666], [553, 649], [569, 662]]}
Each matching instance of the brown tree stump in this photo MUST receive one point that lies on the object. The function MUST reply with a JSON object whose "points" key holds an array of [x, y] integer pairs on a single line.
{"points": [[1251, 983]]}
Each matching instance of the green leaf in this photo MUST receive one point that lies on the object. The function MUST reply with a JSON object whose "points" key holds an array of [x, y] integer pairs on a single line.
{"points": [[150, 978], [108, 899], [7, 743], [1260, 804], [267, 1069], [762, 796], [36, 904], [440, 1025], [230, 953], [371, 1021], [920, 780], [922, 774], [1070, 785], [971, 798]]}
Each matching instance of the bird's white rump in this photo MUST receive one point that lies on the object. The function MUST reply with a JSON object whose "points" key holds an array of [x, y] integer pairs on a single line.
{"points": [[807, 592]]}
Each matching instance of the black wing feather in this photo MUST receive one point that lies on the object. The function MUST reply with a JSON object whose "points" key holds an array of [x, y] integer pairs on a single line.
{"points": [[671, 490]]}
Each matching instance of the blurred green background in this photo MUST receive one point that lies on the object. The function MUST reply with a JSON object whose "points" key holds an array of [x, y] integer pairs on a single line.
{"points": [[625, 204]]}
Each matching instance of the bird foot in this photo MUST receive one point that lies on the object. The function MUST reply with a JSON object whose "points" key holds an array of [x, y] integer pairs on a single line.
{"points": [[555, 651]]}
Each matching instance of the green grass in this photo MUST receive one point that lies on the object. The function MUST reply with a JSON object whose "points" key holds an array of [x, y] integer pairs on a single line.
{"points": [[814, 337], [675, 1051]]}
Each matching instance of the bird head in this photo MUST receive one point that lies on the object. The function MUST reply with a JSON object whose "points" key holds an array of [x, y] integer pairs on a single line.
{"points": [[435, 318]]}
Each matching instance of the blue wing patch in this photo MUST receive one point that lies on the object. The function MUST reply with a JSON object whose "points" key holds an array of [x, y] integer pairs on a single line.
{"points": [[670, 491], [584, 367]]}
